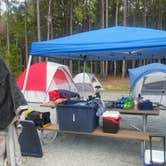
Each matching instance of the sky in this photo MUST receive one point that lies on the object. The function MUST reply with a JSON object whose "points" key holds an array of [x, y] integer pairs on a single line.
{"points": [[3, 6]]}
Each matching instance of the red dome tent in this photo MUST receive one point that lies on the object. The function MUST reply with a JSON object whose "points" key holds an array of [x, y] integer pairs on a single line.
{"points": [[44, 77]]}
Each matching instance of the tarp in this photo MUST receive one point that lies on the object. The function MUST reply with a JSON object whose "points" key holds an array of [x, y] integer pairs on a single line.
{"points": [[105, 44], [137, 73], [44, 77]]}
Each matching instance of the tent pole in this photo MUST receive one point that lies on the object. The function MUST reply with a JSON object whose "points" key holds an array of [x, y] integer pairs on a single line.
{"points": [[26, 74], [84, 78]]}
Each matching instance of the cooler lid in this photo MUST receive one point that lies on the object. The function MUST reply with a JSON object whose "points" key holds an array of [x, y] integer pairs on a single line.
{"points": [[113, 114], [157, 156]]}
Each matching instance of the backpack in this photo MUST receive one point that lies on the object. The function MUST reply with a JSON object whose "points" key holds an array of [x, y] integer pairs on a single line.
{"points": [[40, 119]]}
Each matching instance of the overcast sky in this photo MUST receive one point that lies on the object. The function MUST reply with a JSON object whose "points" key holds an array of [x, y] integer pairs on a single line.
{"points": [[3, 6]]}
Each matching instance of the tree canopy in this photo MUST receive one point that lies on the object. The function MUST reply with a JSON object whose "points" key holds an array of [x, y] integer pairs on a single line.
{"points": [[22, 22]]}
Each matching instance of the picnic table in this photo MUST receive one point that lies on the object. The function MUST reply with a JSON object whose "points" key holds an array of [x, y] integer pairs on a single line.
{"points": [[141, 135]]}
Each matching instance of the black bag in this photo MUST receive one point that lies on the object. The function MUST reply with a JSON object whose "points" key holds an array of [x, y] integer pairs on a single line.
{"points": [[41, 119]]}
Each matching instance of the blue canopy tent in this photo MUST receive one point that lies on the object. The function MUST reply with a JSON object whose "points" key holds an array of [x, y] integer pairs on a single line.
{"points": [[104, 44], [114, 43], [149, 81]]}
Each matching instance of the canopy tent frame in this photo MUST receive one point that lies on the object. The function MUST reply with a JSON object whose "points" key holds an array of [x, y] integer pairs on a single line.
{"points": [[115, 43]]}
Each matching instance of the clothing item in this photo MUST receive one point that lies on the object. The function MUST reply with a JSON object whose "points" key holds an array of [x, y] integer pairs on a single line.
{"points": [[6, 137], [11, 96], [11, 100], [61, 93], [100, 104]]}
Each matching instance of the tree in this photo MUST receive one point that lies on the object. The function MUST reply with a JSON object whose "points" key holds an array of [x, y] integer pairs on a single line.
{"points": [[49, 20], [38, 22], [124, 23], [26, 33], [71, 30], [7, 27]]}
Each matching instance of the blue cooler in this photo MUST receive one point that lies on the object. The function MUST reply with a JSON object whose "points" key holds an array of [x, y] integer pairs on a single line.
{"points": [[155, 157], [77, 116]]}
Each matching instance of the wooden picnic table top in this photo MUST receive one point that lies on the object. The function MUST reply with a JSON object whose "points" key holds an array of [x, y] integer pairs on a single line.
{"points": [[138, 112]]}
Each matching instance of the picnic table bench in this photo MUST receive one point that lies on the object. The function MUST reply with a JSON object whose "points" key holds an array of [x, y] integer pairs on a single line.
{"points": [[121, 134]]}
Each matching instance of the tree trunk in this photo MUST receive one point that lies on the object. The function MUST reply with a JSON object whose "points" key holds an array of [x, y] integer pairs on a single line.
{"points": [[7, 28], [79, 67], [115, 68], [91, 67], [106, 25], [96, 67], [0, 23], [125, 12], [133, 63], [145, 13], [106, 13], [117, 11], [102, 26], [71, 31], [26, 34], [49, 19], [160, 14], [38, 22], [124, 23], [123, 69], [102, 14], [116, 23]]}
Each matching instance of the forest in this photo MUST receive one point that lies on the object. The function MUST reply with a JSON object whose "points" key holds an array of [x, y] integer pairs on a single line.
{"points": [[25, 21]]}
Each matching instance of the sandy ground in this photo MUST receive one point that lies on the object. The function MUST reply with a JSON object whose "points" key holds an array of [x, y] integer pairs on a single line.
{"points": [[82, 150]]}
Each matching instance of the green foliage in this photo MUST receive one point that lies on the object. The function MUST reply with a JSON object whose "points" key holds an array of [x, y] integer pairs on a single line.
{"points": [[13, 59], [85, 16]]}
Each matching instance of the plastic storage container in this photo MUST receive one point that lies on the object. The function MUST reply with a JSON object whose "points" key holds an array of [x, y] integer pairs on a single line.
{"points": [[77, 116], [111, 121]]}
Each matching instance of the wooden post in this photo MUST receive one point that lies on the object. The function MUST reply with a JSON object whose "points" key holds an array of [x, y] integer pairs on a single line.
{"points": [[123, 69], [91, 67], [115, 68], [133, 63]]}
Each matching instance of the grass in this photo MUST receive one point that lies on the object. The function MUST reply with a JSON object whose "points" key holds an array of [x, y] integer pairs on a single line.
{"points": [[116, 84]]}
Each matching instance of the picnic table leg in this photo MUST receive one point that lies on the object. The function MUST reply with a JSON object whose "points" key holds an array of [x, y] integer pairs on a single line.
{"points": [[143, 144]]}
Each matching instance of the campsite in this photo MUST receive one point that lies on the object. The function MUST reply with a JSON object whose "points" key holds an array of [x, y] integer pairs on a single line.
{"points": [[82, 83]]}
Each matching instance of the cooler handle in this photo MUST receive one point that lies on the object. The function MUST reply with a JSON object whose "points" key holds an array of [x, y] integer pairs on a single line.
{"points": [[74, 118], [163, 139]]}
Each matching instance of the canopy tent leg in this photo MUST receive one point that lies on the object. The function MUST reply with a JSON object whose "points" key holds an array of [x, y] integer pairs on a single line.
{"points": [[84, 78], [27, 72]]}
